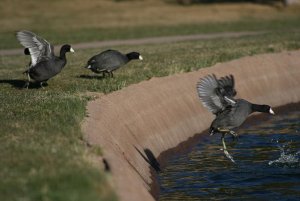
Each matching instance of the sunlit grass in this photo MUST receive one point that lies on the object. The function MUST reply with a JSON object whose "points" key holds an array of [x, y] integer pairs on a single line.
{"points": [[79, 35]]}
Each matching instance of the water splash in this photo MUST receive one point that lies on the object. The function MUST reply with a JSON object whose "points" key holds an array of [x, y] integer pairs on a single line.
{"points": [[288, 156]]}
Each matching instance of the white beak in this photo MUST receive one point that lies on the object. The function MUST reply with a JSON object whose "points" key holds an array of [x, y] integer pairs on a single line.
{"points": [[89, 66], [72, 50], [140, 57], [271, 111]]}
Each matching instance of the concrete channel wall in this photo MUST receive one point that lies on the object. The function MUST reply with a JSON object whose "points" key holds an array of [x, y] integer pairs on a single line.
{"points": [[158, 114]]}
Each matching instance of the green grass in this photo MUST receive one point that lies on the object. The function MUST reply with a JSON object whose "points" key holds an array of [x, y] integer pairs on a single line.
{"points": [[42, 152], [76, 35]]}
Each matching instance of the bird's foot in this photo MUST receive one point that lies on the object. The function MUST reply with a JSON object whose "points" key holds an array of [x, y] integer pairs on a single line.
{"points": [[223, 130], [26, 85], [41, 85], [235, 136]]}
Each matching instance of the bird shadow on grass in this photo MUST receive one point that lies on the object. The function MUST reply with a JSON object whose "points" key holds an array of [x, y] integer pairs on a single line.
{"points": [[20, 84], [149, 157], [96, 77]]}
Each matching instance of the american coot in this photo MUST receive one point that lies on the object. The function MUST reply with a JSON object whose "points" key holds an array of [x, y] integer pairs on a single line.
{"points": [[217, 95], [110, 60], [44, 64]]}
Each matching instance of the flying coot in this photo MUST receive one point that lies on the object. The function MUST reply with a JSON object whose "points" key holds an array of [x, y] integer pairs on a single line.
{"points": [[110, 60], [44, 64], [217, 95]]}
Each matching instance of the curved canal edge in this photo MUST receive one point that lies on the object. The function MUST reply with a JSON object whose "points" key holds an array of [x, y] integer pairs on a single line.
{"points": [[135, 125], [187, 146]]}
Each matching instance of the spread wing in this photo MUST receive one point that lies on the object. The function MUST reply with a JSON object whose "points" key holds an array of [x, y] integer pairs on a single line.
{"points": [[226, 90], [216, 94], [39, 48]]}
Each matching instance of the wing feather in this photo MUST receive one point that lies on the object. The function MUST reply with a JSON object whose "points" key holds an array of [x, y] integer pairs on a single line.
{"points": [[226, 90], [39, 48], [206, 90], [216, 94]]}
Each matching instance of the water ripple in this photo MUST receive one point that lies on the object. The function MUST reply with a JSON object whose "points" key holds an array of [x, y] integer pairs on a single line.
{"points": [[267, 156]]}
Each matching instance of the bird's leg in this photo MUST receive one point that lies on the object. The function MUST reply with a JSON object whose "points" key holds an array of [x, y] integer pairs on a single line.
{"points": [[111, 74], [41, 84], [26, 85], [231, 132], [225, 148], [27, 82], [103, 73]]}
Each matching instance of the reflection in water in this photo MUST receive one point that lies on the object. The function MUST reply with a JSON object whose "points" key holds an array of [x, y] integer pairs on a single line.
{"points": [[267, 165]]}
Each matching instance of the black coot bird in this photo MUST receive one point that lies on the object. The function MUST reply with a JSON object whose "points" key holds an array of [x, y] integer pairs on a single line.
{"points": [[217, 95], [110, 60], [44, 64]]}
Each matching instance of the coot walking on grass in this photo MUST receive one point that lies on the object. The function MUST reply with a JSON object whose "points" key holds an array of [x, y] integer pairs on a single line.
{"points": [[110, 60], [217, 95], [44, 64]]}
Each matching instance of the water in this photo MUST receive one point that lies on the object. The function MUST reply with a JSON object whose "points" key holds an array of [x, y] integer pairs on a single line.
{"points": [[267, 165]]}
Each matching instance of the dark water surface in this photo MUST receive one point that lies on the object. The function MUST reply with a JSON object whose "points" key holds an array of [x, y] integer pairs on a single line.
{"points": [[267, 165]]}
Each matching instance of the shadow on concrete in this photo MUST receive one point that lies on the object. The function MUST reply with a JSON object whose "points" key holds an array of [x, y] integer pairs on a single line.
{"points": [[149, 157], [106, 165]]}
